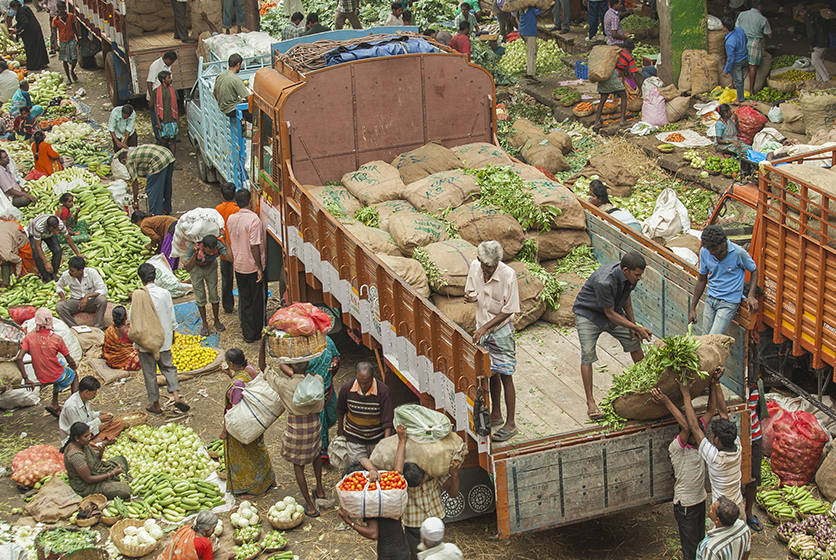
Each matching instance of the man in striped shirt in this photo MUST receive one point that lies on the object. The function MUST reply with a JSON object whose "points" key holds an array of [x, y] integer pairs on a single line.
{"points": [[156, 164], [730, 539], [364, 413]]}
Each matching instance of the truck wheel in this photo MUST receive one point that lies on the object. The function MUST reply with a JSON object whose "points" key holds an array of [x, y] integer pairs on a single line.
{"points": [[88, 62], [204, 172]]}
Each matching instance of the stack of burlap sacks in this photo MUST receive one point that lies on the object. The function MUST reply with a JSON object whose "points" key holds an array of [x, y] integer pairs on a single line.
{"points": [[156, 16], [430, 181]]}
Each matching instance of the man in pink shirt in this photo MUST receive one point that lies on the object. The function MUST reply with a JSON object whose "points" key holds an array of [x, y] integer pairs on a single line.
{"points": [[246, 239]]}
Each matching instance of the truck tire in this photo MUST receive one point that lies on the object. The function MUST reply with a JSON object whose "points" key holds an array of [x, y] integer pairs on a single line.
{"points": [[114, 76], [205, 173]]}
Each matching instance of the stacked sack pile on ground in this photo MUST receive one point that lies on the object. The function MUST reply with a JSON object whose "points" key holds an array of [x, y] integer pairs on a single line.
{"points": [[425, 213]]}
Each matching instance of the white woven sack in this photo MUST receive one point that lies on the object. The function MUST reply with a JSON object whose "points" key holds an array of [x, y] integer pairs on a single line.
{"points": [[373, 503], [260, 406], [192, 227]]}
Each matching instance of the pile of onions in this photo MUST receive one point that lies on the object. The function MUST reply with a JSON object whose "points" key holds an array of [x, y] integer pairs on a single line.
{"points": [[35, 463]]}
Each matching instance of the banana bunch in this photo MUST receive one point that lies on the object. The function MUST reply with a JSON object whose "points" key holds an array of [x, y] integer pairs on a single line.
{"points": [[804, 501], [774, 502], [801, 544]]}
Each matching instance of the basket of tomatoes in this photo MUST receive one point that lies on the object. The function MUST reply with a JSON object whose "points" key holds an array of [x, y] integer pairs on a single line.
{"points": [[362, 497]]}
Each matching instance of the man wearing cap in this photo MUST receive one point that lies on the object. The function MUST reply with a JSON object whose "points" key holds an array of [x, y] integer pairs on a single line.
{"points": [[432, 545], [756, 26], [818, 37]]}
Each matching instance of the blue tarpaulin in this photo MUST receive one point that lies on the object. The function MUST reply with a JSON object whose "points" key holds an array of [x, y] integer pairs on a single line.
{"points": [[375, 49], [188, 322]]}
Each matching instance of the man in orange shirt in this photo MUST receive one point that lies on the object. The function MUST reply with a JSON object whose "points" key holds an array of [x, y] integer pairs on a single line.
{"points": [[68, 31], [226, 209]]}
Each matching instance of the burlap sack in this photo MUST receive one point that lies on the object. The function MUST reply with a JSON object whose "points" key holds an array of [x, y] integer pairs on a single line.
{"points": [[146, 329], [546, 156], [524, 131], [614, 173], [146, 8], [457, 310], [531, 290], [53, 502], [445, 189], [563, 315], [677, 109], [374, 182], [819, 108], [337, 196], [386, 209], [452, 258], [481, 154], [761, 108], [214, 13], [211, 367], [411, 230], [724, 80], [555, 195], [426, 160], [669, 92], [717, 43], [602, 61], [375, 239], [527, 172], [687, 241], [823, 137], [561, 140], [410, 270], [91, 342], [793, 118], [826, 476], [762, 74], [699, 72], [434, 458], [557, 243], [713, 352], [519, 5], [477, 222], [106, 373]]}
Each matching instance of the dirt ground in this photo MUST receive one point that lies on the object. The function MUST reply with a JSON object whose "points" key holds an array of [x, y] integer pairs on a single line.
{"points": [[643, 533]]}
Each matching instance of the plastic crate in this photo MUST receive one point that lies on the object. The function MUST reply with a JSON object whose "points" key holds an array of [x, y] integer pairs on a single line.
{"points": [[582, 70]]}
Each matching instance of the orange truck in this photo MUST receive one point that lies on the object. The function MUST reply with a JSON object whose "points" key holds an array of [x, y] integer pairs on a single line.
{"points": [[313, 126]]}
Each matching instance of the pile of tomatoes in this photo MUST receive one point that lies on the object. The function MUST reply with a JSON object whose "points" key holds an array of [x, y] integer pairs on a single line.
{"points": [[389, 480]]}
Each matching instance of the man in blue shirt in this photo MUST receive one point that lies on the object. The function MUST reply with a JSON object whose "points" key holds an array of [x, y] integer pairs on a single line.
{"points": [[723, 267], [737, 56], [528, 32], [604, 305]]}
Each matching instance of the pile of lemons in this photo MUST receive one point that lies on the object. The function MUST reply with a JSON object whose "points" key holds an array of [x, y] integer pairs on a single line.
{"points": [[188, 354]]}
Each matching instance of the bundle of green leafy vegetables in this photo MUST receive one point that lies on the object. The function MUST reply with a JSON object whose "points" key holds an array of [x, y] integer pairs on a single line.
{"points": [[678, 353], [499, 186], [484, 56]]}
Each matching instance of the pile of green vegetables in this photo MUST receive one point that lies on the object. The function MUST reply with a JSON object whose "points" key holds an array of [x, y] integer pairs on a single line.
{"points": [[769, 95], [484, 56], [643, 49], [62, 540], [783, 61], [678, 353], [499, 186], [730, 166], [549, 57], [580, 260], [637, 22]]}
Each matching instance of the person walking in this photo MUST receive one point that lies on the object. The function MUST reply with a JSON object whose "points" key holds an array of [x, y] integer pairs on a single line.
{"points": [[246, 239], [818, 37], [248, 467], [560, 16], [756, 26], [226, 209], [202, 266], [164, 322], [347, 10], [604, 305], [29, 30], [730, 539], [165, 104], [723, 267], [737, 57], [758, 410], [492, 285], [165, 62], [88, 293], [365, 414], [120, 124], [156, 164], [325, 366], [44, 346], [44, 229], [528, 32], [68, 32]]}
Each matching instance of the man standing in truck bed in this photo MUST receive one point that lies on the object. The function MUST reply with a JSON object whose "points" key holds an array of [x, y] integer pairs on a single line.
{"points": [[229, 88], [604, 305]]}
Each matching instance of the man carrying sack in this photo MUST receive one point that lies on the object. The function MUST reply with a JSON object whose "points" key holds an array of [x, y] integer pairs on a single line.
{"points": [[152, 331]]}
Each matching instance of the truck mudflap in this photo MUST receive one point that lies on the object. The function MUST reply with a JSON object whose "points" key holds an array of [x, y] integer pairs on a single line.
{"points": [[590, 474]]}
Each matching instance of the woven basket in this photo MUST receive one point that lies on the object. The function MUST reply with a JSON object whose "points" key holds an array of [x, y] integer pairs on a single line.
{"points": [[610, 108], [11, 336], [111, 520], [239, 542], [297, 347], [117, 533], [779, 520], [221, 474], [285, 525], [132, 419], [565, 104], [784, 87], [88, 521], [583, 113], [99, 500]]}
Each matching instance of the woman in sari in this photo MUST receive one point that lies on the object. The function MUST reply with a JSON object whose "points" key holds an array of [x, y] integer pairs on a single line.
{"points": [[47, 160], [118, 351], [28, 29], [86, 471], [248, 467], [191, 542], [726, 140], [325, 366], [22, 98]]}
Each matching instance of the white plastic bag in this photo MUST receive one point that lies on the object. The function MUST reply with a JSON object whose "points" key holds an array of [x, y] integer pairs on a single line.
{"points": [[643, 129], [423, 425], [801, 63], [260, 406], [61, 187], [373, 503], [775, 115], [766, 135], [165, 277], [192, 227], [654, 110], [8, 211], [669, 218], [685, 254], [11, 551], [714, 23], [19, 398], [118, 189], [309, 391], [703, 109]]}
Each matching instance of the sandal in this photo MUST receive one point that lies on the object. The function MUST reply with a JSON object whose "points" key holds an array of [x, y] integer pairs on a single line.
{"points": [[595, 415], [504, 435], [754, 523], [181, 406], [56, 413], [205, 331], [219, 327], [495, 423], [152, 410], [314, 514]]}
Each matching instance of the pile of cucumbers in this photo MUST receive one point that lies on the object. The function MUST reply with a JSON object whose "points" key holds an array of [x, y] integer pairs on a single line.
{"points": [[174, 498]]}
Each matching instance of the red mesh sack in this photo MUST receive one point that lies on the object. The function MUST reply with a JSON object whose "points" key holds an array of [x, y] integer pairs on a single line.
{"points": [[767, 430], [22, 314], [35, 463], [34, 175], [300, 319], [797, 446], [749, 123]]}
